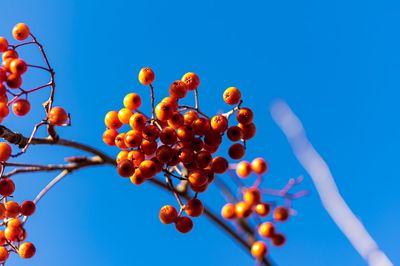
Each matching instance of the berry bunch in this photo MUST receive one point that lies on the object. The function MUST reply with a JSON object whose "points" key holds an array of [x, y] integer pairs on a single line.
{"points": [[251, 204], [13, 216], [12, 69], [177, 140]]}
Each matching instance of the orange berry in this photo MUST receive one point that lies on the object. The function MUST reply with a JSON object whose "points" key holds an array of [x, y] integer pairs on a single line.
{"points": [[3, 254], [4, 110], [242, 209], [185, 133], [58, 116], [197, 178], [164, 111], [164, 153], [234, 133], [236, 151], [194, 207], [21, 107], [3, 99], [124, 115], [7, 187], [14, 81], [5, 151], [159, 165], [168, 136], [14, 222], [201, 126], [178, 89], [3, 44], [120, 141], [266, 229], [278, 240], [3, 77], [252, 196], [184, 224], [137, 178], [133, 138], [219, 123], [199, 189], [9, 54], [168, 214], [18, 66], [186, 155], [137, 121], [219, 165], [281, 214], [249, 130], [243, 169], [146, 76], [244, 116], [176, 120], [228, 211], [14, 234], [191, 80], [203, 159], [28, 207], [173, 102], [189, 117], [3, 89], [150, 132], [132, 101], [232, 95], [259, 166], [21, 31], [125, 168], [27, 250], [148, 168], [262, 209], [12, 209], [259, 249], [148, 147], [2, 211], [212, 138], [2, 239], [136, 157], [111, 120], [122, 155], [109, 136]]}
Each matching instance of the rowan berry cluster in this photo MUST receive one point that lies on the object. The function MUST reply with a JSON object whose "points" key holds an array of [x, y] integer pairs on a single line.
{"points": [[252, 203], [177, 140], [12, 69], [12, 214]]}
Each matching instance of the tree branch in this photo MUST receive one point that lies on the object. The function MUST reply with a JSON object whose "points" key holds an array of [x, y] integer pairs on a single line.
{"points": [[100, 158]]}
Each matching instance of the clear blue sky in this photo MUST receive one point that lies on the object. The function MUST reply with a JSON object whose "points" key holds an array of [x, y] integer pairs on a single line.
{"points": [[336, 63]]}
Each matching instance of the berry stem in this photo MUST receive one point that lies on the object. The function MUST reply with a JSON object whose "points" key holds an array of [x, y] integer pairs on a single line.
{"points": [[153, 116]]}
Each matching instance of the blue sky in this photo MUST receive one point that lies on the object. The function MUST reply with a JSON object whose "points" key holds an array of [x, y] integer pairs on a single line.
{"points": [[336, 63]]}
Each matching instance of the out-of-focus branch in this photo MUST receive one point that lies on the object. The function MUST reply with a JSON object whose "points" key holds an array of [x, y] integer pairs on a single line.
{"points": [[323, 180]]}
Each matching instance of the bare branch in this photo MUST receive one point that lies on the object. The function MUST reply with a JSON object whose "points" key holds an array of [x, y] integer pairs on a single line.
{"points": [[324, 182]]}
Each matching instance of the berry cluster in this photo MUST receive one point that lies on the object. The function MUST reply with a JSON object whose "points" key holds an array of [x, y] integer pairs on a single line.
{"points": [[250, 204], [177, 140], [13, 216], [12, 69]]}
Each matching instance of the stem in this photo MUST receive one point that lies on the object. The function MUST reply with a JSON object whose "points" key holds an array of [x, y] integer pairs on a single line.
{"points": [[196, 99], [153, 115]]}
